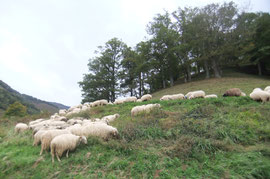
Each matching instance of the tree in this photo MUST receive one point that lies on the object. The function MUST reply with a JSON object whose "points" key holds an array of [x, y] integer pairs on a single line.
{"points": [[103, 79], [16, 109]]}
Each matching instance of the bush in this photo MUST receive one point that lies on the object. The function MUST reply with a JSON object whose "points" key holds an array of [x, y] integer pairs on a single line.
{"points": [[16, 109]]}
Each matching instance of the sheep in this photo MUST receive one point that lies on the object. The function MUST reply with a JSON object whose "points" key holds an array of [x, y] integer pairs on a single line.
{"points": [[146, 97], [165, 98], [37, 136], [62, 112], [263, 96], [143, 108], [130, 99], [99, 129], [137, 109], [234, 92], [119, 101], [267, 89], [211, 96], [110, 118], [47, 137], [75, 129], [177, 96], [21, 127], [139, 100], [197, 94], [65, 142], [45, 127], [101, 102], [36, 121], [257, 89]]}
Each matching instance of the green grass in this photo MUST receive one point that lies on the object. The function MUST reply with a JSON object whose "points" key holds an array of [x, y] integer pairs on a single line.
{"points": [[199, 138]]}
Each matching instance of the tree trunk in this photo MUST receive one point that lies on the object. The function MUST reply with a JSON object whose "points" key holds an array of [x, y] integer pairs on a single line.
{"points": [[206, 69], [260, 68], [171, 80], [188, 73], [140, 84], [215, 68]]}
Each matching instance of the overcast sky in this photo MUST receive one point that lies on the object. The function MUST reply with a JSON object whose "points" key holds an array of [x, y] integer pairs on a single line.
{"points": [[45, 45]]}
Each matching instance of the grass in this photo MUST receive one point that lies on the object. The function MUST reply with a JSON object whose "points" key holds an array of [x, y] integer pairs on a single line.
{"points": [[199, 138]]}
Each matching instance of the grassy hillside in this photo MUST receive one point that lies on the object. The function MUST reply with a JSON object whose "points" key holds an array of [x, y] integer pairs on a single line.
{"points": [[231, 79], [199, 138]]}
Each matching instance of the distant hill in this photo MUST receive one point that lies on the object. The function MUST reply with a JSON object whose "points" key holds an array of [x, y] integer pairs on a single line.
{"points": [[34, 105]]}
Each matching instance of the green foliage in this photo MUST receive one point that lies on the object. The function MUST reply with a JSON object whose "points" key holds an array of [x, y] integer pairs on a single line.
{"points": [[16, 109]]}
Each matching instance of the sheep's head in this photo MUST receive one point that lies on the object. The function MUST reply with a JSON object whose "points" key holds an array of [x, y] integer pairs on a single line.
{"points": [[117, 115], [115, 134], [243, 94], [83, 139]]}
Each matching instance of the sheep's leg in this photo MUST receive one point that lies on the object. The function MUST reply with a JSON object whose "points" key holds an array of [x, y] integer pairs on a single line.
{"points": [[58, 157], [52, 158], [67, 153], [41, 151]]}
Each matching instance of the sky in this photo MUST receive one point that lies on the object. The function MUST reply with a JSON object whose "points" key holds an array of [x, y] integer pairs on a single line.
{"points": [[45, 45]]}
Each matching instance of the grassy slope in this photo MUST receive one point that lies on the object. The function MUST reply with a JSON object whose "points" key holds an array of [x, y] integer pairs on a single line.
{"points": [[210, 138], [218, 86]]}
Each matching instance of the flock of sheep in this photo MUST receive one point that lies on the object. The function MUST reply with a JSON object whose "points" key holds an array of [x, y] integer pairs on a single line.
{"points": [[61, 134]]}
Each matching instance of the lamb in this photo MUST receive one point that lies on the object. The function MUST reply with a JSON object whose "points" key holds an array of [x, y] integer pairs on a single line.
{"points": [[211, 96], [65, 142], [197, 94], [47, 137], [146, 97], [110, 118], [234, 92], [99, 129], [263, 96], [130, 99], [21, 127]]}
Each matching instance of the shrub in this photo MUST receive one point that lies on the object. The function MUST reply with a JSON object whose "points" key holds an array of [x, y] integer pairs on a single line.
{"points": [[16, 109]]}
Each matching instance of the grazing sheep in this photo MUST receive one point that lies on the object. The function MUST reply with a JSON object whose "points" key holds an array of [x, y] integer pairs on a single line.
{"points": [[267, 89], [62, 112], [263, 96], [110, 118], [139, 100], [47, 137], [99, 129], [36, 121], [165, 98], [21, 127], [177, 96], [65, 142], [197, 94], [146, 97], [75, 129], [143, 108], [234, 92], [257, 89], [211, 96], [46, 127], [37, 137], [119, 101], [130, 99]]}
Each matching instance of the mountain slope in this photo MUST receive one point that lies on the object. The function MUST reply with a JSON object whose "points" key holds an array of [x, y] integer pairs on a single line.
{"points": [[34, 105]]}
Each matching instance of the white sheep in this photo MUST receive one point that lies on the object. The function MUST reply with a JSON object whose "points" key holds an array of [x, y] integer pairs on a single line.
{"points": [[99, 129], [263, 96], [75, 129], [146, 97], [21, 127], [177, 96], [37, 137], [257, 89], [62, 112], [267, 89], [197, 94], [47, 137], [150, 107], [143, 108], [119, 101], [36, 121], [65, 142], [110, 118], [139, 100], [131, 99], [165, 98], [211, 96]]}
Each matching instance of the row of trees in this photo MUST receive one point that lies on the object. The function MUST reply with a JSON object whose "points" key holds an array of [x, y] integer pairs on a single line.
{"points": [[186, 42]]}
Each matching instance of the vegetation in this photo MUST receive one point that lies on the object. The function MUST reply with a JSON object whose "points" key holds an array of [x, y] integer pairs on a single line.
{"points": [[181, 45], [200, 138], [16, 109]]}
